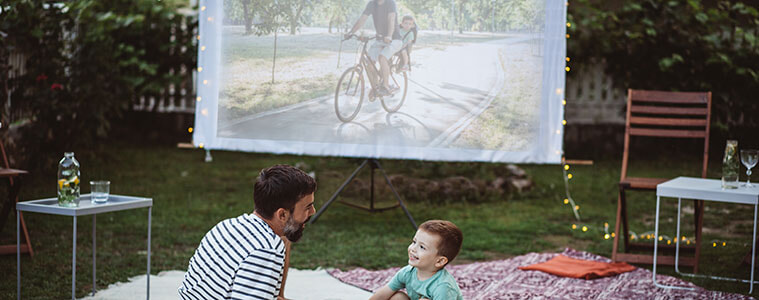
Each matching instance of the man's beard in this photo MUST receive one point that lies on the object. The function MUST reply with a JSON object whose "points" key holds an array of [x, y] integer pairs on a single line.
{"points": [[294, 230]]}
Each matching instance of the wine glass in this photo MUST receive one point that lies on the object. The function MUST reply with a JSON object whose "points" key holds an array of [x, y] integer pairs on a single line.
{"points": [[749, 159]]}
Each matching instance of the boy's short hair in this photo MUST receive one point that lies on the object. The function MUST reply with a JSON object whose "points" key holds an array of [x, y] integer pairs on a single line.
{"points": [[451, 237], [280, 186], [408, 17]]}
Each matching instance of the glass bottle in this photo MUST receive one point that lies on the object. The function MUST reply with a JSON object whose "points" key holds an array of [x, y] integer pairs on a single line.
{"points": [[730, 166], [68, 181]]}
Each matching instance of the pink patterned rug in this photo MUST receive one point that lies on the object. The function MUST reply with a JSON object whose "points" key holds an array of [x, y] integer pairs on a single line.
{"points": [[502, 280]]}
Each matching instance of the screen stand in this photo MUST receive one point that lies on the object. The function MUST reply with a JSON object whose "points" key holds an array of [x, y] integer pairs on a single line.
{"points": [[373, 164]]}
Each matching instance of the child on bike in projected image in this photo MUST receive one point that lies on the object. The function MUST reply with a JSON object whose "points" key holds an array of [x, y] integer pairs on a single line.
{"points": [[408, 34], [435, 244]]}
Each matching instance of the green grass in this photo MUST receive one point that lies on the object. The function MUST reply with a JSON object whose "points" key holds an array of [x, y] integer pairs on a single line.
{"points": [[191, 196]]}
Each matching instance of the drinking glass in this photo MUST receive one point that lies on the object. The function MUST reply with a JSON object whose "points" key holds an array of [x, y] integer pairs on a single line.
{"points": [[749, 159], [100, 190]]}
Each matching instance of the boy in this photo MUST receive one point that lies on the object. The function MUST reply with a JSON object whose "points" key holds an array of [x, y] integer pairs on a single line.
{"points": [[435, 244], [408, 34]]}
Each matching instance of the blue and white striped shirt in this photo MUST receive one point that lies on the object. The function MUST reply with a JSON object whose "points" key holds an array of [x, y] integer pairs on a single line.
{"points": [[239, 258]]}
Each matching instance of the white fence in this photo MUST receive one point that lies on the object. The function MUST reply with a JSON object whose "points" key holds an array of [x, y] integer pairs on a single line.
{"points": [[593, 100]]}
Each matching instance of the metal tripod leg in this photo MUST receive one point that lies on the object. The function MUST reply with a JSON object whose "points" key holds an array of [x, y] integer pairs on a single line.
{"points": [[392, 188], [334, 196]]}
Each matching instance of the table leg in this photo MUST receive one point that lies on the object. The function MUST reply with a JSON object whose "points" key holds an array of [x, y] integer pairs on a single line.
{"points": [[94, 260], [18, 256], [753, 252], [73, 264], [677, 236], [656, 238], [150, 212]]}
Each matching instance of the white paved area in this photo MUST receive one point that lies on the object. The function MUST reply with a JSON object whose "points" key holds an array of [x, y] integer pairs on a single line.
{"points": [[301, 285]]}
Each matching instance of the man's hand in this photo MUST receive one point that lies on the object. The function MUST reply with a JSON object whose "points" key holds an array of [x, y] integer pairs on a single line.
{"points": [[387, 40]]}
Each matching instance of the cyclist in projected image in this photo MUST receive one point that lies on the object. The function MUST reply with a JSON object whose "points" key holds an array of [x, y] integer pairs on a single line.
{"points": [[384, 15]]}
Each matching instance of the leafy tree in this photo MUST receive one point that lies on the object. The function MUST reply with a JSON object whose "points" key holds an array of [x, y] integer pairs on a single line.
{"points": [[86, 61]]}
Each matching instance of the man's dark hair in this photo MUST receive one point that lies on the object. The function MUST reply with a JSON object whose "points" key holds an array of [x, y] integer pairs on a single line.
{"points": [[280, 186]]}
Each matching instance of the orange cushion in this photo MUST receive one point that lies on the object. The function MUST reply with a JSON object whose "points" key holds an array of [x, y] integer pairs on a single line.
{"points": [[577, 268]]}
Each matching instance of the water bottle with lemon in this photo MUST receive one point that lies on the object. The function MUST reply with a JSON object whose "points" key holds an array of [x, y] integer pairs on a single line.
{"points": [[68, 181]]}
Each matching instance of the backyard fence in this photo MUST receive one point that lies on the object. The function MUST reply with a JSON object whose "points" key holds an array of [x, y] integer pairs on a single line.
{"points": [[592, 98]]}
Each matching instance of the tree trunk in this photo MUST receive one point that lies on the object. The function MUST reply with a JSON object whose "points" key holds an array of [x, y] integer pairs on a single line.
{"points": [[247, 17], [294, 20], [274, 61]]}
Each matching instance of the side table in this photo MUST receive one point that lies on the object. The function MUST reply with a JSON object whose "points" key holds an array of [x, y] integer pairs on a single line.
{"points": [[50, 206], [708, 190]]}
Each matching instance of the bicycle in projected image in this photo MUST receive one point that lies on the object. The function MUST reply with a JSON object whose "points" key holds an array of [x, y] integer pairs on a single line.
{"points": [[349, 93]]}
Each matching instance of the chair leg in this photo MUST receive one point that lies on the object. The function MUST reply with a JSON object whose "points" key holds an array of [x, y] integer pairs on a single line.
{"points": [[699, 223], [615, 246], [625, 227]]}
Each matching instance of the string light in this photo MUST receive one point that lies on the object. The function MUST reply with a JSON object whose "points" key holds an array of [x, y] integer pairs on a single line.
{"points": [[569, 25], [569, 176], [566, 201], [202, 8], [577, 207], [205, 81], [567, 59], [202, 48], [566, 167], [567, 35], [200, 69], [567, 68], [198, 98], [585, 228], [574, 226], [189, 130]]}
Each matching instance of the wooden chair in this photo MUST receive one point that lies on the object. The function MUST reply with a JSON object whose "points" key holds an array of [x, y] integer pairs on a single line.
{"points": [[658, 114], [14, 183]]}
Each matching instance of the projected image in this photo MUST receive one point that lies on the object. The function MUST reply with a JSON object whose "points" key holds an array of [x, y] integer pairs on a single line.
{"points": [[432, 74]]}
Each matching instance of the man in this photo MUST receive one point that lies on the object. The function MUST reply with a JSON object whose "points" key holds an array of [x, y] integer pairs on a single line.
{"points": [[244, 257], [384, 14]]}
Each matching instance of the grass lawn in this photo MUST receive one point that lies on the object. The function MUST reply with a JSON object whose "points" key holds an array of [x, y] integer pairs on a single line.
{"points": [[190, 196]]}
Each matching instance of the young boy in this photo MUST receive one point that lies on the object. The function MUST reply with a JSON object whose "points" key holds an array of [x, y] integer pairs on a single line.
{"points": [[408, 34], [435, 244]]}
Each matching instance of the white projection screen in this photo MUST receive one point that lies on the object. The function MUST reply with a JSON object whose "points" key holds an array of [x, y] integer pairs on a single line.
{"points": [[485, 82]]}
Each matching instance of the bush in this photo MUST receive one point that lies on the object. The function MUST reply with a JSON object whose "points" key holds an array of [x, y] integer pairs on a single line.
{"points": [[680, 45], [86, 61]]}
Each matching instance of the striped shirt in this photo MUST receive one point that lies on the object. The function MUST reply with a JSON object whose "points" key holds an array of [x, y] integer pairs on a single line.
{"points": [[239, 258]]}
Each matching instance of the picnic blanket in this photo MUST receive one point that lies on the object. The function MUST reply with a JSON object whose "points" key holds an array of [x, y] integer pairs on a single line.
{"points": [[502, 279]]}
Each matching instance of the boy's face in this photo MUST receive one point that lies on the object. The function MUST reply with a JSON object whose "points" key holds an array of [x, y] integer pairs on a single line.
{"points": [[423, 252], [407, 24]]}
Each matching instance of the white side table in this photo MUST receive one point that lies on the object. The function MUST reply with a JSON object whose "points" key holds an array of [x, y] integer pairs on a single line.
{"points": [[50, 206], [708, 190]]}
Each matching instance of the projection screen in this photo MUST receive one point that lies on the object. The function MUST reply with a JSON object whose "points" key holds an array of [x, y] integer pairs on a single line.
{"points": [[484, 79]]}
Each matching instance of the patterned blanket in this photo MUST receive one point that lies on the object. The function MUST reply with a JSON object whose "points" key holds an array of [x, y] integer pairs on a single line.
{"points": [[502, 279]]}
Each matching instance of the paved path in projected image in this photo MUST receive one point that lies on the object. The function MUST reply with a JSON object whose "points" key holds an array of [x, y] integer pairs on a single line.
{"points": [[447, 90]]}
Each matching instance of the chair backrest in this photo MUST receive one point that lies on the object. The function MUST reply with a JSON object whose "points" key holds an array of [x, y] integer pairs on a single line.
{"points": [[667, 115]]}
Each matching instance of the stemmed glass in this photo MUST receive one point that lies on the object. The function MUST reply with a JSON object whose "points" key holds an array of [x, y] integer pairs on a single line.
{"points": [[749, 159]]}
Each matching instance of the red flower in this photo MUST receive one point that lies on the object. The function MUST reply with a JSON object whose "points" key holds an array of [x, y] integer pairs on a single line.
{"points": [[41, 77], [55, 86]]}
